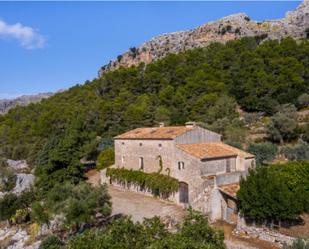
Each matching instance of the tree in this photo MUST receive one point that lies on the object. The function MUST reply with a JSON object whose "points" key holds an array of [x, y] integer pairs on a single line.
{"points": [[106, 158], [277, 192], [283, 125], [224, 107], [235, 133], [299, 151], [163, 115], [264, 152]]}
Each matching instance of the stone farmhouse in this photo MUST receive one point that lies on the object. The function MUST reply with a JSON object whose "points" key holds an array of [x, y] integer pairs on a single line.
{"points": [[208, 170]]}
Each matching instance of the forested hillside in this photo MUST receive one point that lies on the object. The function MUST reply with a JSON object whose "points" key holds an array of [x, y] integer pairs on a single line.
{"points": [[7, 104], [231, 89], [203, 85]]}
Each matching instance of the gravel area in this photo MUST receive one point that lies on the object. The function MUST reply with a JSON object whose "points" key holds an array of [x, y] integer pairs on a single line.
{"points": [[140, 206]]}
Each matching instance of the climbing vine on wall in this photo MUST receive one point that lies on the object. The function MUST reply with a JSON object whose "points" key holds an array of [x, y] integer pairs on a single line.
{"points": [[160, 164], [159, 184]]}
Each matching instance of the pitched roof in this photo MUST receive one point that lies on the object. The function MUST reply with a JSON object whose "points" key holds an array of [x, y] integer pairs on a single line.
{"points": [[230, 189], [212, 150], [168, 132], [239, 152]]}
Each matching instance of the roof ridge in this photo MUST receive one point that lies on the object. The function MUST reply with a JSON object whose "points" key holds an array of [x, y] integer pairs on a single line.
{"points": [[166, 132]]}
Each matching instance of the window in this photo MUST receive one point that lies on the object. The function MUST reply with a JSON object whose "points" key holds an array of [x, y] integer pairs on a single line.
{"points": [[160, 145], [141, 163], [181, 165], [140, 144], [122, 143]]}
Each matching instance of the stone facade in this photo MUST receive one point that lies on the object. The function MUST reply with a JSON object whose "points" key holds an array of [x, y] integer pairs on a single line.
{"points": [[200, 175]]}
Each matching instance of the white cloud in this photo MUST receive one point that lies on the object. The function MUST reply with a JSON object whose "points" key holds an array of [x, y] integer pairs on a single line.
{"points": [[27, 36]]}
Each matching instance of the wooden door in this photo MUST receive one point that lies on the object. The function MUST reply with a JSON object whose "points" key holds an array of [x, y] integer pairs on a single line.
{"points": [[183, 192]]}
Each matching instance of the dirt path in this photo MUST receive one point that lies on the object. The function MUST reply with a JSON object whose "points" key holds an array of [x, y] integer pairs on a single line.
{"points": [[93, 177]]}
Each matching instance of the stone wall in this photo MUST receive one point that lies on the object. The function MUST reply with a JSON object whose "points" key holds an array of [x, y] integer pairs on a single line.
{"points": [[229, 178], [129, 152], [217, 166], [262, 233], [198, 135]]}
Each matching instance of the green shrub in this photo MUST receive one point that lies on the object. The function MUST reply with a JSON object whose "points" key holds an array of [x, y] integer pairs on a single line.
{"points": [[158, 183], [296, 152], [298, 244], [106, 158], [8, 206], [264, 152], [7, 179], [194, 233], [78, 203], [10, 203], [303, 100], [305, 135], [52, 242], [20, 216], [39, 214]]}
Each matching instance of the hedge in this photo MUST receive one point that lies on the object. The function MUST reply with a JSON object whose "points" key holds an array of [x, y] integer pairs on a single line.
{"points": [[158, 183]]}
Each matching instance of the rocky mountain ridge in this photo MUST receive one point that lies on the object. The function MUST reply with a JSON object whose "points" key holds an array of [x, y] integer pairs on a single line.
{"points": [[295, 24], [7, 104]]}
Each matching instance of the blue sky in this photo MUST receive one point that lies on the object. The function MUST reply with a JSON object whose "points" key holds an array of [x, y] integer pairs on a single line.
{"points": [[47, 46]]}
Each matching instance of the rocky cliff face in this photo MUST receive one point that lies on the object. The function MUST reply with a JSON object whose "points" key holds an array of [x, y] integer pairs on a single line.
{"points": [[7, 104], [295, 24]]}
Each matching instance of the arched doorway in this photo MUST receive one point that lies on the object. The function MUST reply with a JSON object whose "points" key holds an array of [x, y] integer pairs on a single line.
{"points": [[183, 192]]}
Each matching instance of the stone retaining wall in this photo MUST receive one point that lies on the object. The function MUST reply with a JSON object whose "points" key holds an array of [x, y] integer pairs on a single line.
{"points": [[262, 233]]}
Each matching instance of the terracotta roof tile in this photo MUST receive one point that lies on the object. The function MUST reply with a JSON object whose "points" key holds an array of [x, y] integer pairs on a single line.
{"points": [[212, 150], [239, 152], [168, 132], [230, 189]]}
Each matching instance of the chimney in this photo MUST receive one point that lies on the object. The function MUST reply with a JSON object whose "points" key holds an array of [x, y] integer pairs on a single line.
{"points": [[161, 124], [190, 125]]}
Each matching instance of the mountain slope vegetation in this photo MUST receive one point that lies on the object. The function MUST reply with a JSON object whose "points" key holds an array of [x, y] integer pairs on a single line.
{"points": [[204, 85]]}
